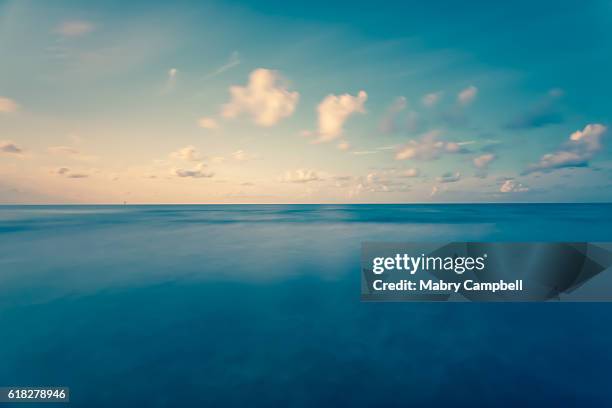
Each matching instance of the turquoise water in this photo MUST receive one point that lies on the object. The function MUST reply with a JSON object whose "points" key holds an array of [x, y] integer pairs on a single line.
{"points": [[258, 305]]}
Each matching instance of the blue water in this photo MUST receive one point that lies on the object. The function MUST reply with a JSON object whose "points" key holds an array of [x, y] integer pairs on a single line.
{"points": [[247, 306]]}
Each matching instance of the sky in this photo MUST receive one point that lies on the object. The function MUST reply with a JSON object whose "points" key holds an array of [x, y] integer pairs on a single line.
{"points": [[273, 102]]}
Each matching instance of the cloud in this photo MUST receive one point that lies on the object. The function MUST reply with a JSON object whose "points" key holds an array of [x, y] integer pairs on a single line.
{"points": [[512, 186], [197, 172], [265, 99], [171, 81], [68, 173], [63, 150], [187, 153], [385, 181], [449, 177], [429, 147], [233, 61], [8, 105], [544, 113], [8, 147], [344, 145], [467, 96], [576, 152], [389, 123], [75, 28], [301, 176], [334, 111], [241, 155], [413, 121], [208, 123], [431, 99], [413, 172], [70, 152], [483, 161]]}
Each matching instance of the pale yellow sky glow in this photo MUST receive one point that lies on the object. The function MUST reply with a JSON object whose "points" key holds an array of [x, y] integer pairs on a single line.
{"points": [[97, 107]]}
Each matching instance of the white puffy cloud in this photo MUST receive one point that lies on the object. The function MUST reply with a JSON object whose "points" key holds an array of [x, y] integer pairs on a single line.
{"points": [[75, 28], [467, 96], [334, 110], [512, 186], [197, 172], [431, 99], [265, 98], [576, 152], [208, 123], [449, 177], [187, 153], [589, 137], [301, 176], [8, 147], [8, 105], [428, 147], [483, 161]]}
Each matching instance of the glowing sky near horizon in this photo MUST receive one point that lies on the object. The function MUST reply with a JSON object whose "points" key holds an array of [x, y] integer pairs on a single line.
{"points": [[266, 102]]}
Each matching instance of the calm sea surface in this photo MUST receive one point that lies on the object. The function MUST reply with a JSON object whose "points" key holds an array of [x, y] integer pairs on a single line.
{"points": [[258, 305]]}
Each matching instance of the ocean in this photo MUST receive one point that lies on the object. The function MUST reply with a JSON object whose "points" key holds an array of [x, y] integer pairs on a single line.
{"points": [[258, 305]]}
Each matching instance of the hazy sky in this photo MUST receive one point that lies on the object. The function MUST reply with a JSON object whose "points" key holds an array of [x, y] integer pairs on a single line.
{"points": [[270, 101]]}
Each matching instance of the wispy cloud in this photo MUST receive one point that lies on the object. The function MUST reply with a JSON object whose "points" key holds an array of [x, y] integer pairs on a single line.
{"points": [[70, 152], [576, 152], [343, 145], [467, 96], [449, 177], [431, 99], [187, 153], [9, 147], [199, 171], [8, 105], [412, 172], [171, 80], [483, 161], [428, 147], [68, 173], [241, 155], [301, 176], [74, 28], [545, 112], [208, 123], [233, 61], [389, 122]]}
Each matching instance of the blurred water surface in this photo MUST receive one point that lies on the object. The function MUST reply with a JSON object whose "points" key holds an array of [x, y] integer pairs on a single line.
{"points": [[258, 305]]}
